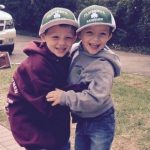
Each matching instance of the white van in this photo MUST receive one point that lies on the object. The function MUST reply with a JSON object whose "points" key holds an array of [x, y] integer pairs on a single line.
{"points": [[7, 31]]}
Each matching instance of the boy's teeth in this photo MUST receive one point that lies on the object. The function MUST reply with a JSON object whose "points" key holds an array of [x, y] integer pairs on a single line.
{"points": [[95, 46]]}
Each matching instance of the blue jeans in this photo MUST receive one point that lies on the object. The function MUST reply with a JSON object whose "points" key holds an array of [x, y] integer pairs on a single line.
{"points": [[96, 133]]}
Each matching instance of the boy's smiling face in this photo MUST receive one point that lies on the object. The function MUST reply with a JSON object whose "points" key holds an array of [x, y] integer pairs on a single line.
{"points": [[59, 39], [95, 37]]}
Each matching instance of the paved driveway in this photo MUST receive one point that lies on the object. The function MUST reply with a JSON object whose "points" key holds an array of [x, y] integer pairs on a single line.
{"points": [[135, 63], [131, 63]]}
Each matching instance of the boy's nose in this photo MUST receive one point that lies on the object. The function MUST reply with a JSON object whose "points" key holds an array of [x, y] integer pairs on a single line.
{"points": [[62, 41], [96, 39]]}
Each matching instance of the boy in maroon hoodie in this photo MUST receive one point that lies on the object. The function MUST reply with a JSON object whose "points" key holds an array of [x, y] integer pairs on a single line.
{"points": [[35, 124]]}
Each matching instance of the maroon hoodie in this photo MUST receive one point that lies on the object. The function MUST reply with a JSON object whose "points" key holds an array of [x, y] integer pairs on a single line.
{"points": [[34, 122]]}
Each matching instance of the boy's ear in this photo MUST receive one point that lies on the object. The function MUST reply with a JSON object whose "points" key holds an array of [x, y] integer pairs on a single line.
{"points": [[43, 37], [110, 36], [75, 38], [78, 36]]}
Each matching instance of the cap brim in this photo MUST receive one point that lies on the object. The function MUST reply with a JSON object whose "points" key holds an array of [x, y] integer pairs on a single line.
{"points": [[57, 22], [91, 24]]}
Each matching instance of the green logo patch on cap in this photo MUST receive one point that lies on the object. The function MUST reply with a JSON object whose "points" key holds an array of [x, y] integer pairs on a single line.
{"points": [[96, 16]]}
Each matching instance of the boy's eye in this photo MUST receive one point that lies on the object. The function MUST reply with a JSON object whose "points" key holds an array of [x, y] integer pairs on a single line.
{"points": [[89, 32], [69, 38], [103, 34], [55, 37]]}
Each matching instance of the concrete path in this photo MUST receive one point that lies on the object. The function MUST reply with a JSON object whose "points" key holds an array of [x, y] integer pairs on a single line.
{"points": [[7, 141]]}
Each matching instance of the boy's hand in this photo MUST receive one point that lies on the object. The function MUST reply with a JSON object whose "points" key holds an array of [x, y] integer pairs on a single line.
{"points": [[54, 96]]}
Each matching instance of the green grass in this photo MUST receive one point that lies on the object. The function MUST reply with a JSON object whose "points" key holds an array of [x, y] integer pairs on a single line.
{"points": [[131, 94], [5, 79]]}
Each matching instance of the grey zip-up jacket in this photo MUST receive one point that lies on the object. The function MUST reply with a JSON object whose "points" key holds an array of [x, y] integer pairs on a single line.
{"points": [[99, 71]]}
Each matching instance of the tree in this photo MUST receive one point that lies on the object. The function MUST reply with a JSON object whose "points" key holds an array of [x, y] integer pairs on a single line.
{"points": [[133, 18]]}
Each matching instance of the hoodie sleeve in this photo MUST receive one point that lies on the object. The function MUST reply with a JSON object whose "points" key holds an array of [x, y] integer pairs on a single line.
{"points": [[87, 103], [76, 87], [33, 81]]}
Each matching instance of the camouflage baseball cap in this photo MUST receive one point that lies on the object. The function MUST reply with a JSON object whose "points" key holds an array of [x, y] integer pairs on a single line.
{"points": [[57, 16], [95, 15]]}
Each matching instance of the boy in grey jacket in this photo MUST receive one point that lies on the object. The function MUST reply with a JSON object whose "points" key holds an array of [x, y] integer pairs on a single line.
{"points": [[94, 63]]}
